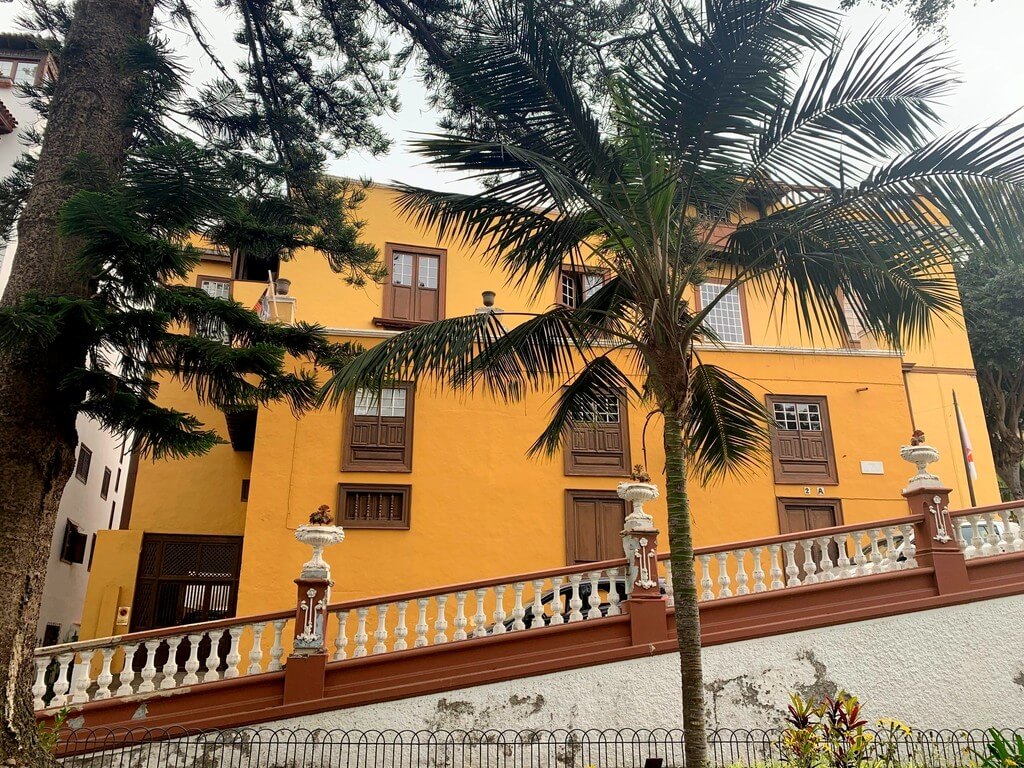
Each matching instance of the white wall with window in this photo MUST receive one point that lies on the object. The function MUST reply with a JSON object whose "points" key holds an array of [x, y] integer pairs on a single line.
{"points": [[726, 318]]}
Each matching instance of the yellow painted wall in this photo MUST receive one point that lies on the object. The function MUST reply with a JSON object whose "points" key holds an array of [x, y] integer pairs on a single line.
{"points": [[479, 507]]}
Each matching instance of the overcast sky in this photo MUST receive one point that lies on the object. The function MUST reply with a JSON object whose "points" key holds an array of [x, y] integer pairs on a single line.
{"points": [[985, 39]]}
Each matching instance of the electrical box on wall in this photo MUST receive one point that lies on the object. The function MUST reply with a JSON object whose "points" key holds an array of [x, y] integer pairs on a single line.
{"points": [[124, 613]]}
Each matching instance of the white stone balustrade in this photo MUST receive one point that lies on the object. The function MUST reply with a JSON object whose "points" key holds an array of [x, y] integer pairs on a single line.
{"points": [[155, 662], [988, 531]]}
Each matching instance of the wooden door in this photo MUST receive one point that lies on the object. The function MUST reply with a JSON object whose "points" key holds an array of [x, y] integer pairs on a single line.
{"points": [[593, 522], [798, 515]]}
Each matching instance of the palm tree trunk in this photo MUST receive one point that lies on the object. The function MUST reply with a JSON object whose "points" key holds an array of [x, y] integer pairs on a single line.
{"points": [[88, 117], [684, 589]]}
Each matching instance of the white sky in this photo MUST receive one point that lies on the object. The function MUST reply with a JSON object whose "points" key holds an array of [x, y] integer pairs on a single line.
{"points": [[983, 35]]}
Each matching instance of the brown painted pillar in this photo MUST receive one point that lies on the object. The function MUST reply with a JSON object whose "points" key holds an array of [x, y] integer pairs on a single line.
{"points": [[936, 538], [646, 604], [306, 666]]}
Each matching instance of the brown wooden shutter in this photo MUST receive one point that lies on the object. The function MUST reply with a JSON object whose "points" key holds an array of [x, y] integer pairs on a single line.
{"points": [[802, 451], [415, 286], [593, 522], [598, 447], [378, 443]]}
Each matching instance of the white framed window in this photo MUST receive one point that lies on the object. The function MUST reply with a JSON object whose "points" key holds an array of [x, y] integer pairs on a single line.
{"points": [[792, 417], [26, 72], [726, 317], [217, 289], [389, 402], [401, 269], [429, 270], [853, 323], [577, 287], [603, 409]]}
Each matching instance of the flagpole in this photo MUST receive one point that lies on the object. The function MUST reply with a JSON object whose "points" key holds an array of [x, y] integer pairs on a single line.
{"points": [[963, 450]]}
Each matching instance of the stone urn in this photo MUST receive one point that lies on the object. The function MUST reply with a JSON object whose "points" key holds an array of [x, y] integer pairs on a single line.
{"points": [[638, 494], [921, 456], [318, 537]]}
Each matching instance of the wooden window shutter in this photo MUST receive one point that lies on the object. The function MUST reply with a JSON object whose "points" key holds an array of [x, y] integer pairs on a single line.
{"points": [[598, 443], [593, 523], [378, 432], [802, 449], [365, 505]]}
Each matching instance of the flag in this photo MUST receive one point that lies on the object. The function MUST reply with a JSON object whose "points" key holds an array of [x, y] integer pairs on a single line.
{"points": [[965, 441], [262, 306]]}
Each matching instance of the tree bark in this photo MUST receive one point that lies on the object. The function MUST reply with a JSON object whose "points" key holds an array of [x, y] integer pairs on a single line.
{"points": [[684, 588], [88, 117]]}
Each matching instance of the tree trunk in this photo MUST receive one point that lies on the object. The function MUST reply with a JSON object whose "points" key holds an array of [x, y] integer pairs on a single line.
{"points": [[88, 117], [1009, 472], [684, 589], [1008, 452]]}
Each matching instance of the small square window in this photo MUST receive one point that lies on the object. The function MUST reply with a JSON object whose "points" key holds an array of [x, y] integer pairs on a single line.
{"points": [[26, 73], [576, 286], [72, 548], [83, 464], [7, 71], [429, 272]]}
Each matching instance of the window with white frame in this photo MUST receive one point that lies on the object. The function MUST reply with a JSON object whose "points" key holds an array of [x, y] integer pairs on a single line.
{"points": [[603, 409], [388, 402], [217, 289], [726, 317], [576, 286]]}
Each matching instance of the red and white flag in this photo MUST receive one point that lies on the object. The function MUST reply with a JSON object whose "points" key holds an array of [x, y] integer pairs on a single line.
{"points": [[965, 441]]}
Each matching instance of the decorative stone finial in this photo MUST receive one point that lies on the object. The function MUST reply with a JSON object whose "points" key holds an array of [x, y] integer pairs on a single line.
{"points": [[319, 534], [637, 492], [920, 455]]}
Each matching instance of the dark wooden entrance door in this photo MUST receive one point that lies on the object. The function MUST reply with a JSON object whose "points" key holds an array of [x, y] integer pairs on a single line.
{"points": [[593, 520], [798, 515]]}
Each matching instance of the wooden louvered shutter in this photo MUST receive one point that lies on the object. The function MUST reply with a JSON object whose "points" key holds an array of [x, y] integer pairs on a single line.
{"points": [[802, 450]]}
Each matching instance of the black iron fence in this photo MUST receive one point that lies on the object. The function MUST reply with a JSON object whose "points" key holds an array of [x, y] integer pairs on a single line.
{"points": [[299, 748]]}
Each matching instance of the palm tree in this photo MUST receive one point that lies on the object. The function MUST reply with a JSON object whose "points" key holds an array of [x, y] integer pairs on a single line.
{"points": [[859, 207]]}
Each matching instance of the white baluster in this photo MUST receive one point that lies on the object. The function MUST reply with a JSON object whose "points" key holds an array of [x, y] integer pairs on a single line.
{"points": [[149, 666], [170, 669], [891, 562], [991, 546], [557, 603], [1008, 534], [1018, 535], [191, 664], [670, 592], [518, 610], [613, 591], [341, 639], [401, 630], [909, 546], [741, 572], [80, 677], [705, 581], [575, 603], [775, 567], [39, 687], [807, 545], [826, 559], [380, 635], [876, 554], [105, 678], [792, 569], [480, 617], [256, 650], [276, 648], [724, 582], [860, 567], [460, 620], [537, 609], [843, 566], [975, 550], [498, 625], [594, 598], [62, 684], [758, 572], [441, 623], [127, 675], [421, 623], [361, 637], [213, 659], [234, 657]]}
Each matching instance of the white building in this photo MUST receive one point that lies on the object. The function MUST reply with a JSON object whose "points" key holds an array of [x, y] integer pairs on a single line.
{"points": [[92, 498]]}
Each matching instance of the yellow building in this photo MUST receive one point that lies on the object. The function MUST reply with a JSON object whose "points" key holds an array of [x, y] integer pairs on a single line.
{"points": [[434, 487]]}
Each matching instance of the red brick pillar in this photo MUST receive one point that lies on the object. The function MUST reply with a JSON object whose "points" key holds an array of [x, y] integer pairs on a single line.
{"points": [[646, 604], [936, 536]]}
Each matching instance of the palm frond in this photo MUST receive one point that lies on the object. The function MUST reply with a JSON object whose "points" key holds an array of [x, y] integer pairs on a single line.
{"points": [[725, 425], [599, 378]]}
